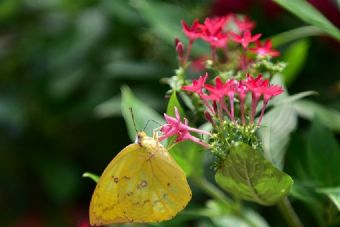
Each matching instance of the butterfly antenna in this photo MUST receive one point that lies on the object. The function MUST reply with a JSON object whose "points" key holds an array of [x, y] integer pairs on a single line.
{"points": [[146, 125], [133, 119]]}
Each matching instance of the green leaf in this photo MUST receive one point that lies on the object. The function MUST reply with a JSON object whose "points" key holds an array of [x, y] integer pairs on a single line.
{"points": [[142, 113], [248, 218], [187, 154], [295, 34], [92, 176], [277, 124], [296, 56], [294, 98], [333, 194], [323, 156], [173, 102], [327, 116], [246, 174], [109, 108], [306, 12]]}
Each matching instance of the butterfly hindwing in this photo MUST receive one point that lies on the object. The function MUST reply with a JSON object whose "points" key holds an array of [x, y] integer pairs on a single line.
{"points": [[157, 192]]}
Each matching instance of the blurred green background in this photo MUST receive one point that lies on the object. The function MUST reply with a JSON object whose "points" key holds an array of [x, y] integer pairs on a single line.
{"points": [[62, 65]]}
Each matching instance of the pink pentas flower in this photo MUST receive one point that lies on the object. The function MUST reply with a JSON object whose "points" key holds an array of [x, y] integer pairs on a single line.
{"points": [[214, 25], [264, 49], [215, 40], [175, 127], [245, 39], [193, 32], [197, 85], [244, 24], [217, 92]]}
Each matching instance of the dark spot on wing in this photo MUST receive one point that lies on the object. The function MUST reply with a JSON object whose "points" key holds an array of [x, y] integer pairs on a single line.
{"points": [[115, 179]]}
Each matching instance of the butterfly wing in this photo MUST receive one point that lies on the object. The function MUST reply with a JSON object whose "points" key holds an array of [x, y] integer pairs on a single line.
{"points": [[157, 191], [104, 206]]}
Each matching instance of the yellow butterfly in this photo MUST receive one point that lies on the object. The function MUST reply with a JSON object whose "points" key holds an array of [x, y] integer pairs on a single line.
{"points": [[142, 183]]}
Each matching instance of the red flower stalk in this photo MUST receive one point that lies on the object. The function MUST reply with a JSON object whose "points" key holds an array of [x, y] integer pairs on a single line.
{"points": [[255, 85], [174, 127], [264, 49], [217, 94], [194, 32], [242, 91], [258, 87], [245, 39]]}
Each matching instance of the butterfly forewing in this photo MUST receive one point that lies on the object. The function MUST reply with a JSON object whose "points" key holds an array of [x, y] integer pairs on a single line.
{"points": [[104, 206]]}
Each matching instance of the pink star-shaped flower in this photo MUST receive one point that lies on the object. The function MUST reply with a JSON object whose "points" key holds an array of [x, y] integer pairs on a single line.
{"points": [[194, 32], [245, 39], [197, 85], [264, 49], [244, 24], [174, 126]]}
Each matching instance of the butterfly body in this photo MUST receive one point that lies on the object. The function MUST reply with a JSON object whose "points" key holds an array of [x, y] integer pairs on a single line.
{"points": [[141, 184]]}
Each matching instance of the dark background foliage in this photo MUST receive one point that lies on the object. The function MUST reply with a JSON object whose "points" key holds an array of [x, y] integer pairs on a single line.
{"points": [[62, 65]]}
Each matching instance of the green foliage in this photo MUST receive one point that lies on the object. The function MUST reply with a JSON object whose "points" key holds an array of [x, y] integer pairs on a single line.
{"points": [[296, 56], [323, 156], [246, 174], [333, 194], [142, 114], [309, 14], [310, 110]]}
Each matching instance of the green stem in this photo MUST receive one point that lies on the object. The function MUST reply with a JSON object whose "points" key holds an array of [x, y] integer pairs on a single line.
{"points": [[288, 213], [212, 190]]}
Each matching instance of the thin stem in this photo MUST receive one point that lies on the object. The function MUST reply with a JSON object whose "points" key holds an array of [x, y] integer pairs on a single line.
{"points": [[213, 53], [288, 213], [212, 190]]}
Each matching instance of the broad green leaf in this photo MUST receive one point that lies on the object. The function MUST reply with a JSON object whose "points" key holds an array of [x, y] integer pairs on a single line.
{"points": [[327, 116], [296, 56], [164, 18], [295, 34], [333, 194], [323, 156], [165, 21], [277, 125], [246, 174], [142, 113], [135, 70], [294, 98], [248, 218], [92, 176], [187, 154], [173, 102], [306, 12], [109, 108]]}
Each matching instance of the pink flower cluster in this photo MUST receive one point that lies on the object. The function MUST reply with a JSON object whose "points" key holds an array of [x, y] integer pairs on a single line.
{"points": [[214, 96], [218, 31], [174, 127]]}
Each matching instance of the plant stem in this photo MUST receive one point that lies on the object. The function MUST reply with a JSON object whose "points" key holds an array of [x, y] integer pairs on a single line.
{"points": [[288, 213], [211, 190]]}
